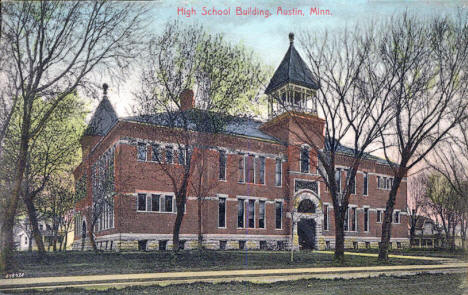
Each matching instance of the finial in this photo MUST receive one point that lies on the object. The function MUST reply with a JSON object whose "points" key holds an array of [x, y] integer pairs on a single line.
{"points": [[291, 38], [105, 87]]}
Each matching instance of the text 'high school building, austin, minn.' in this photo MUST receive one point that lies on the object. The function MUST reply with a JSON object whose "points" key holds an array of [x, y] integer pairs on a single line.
{"points": [[260, 172]]}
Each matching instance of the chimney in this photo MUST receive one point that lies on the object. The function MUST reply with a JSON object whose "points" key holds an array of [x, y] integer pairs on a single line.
{"points": [[187, 100]]}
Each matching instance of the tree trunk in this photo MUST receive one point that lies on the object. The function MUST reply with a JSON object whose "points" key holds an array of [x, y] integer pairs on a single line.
{"points": [[30, 243], [65, 242], [339, 238], [92, 240], [387, 221], [180, 201], [36, 233], [412, 232], [7, 239]]}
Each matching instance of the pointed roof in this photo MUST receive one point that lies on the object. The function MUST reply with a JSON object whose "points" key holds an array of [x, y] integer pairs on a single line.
{"points": [[103, 119], [292, 69]]}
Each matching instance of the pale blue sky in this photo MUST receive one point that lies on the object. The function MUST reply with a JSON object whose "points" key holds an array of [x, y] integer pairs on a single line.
{"points": [[268, 37]]}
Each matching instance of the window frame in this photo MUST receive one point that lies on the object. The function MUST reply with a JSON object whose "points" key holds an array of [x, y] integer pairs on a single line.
{"points": [[366, 215], [239, 218], [138, 202], [260, 217], [280, 203], [222, 162], [325, 217], [378, 218], [169, 150], [241, 169], [142, 145], [396, 214], [219, 211], [365, 188], [261, 169], [249, 216], [278, 171], [304, 159]]}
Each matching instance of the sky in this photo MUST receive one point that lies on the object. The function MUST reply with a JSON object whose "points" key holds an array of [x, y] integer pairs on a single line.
{"points": [[268, 36]]}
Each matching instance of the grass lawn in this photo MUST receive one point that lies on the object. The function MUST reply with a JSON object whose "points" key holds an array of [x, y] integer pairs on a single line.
{"points": [[420, 284], [90, 263]]}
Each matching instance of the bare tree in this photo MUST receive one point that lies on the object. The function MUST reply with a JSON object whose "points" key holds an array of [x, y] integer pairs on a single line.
{"points": [[55, 46], [224, 76], [349, 100], [417, 203], [429, 57]]}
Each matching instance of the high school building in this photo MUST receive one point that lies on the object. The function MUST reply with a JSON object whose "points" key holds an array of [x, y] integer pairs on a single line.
{"points": [[265, 191]]}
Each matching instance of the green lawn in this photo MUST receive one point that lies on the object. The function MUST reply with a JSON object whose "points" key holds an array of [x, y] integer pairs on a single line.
{"points": [[434, 284], [89, 263]]}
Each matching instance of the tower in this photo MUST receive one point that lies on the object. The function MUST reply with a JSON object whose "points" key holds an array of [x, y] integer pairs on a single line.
{"points": [[292, 87]]}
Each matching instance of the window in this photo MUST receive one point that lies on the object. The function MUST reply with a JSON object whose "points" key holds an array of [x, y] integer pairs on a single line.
{"points": [[353, 219], [241, 168], [305, 160], [367, 245], [261, 176], [346, 221], [278, 214], [396, 217], [222, 212], [250, 169], [168, 204], [263, 245], [222, 245], [240, 213], [142, 245], [141, 202], [352, 182], [155, 202], [278, 172], [251, 213], [338, 179], [169, 154], [162, 245], [241, 245], [222, 165], [325, 217], [366, 219], [261, 214], [366, 182], [155, 153], [141, 154], [181, 156], [379, 216]]}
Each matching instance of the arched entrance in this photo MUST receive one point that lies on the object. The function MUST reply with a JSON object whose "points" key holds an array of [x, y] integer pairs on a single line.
{"points": [[308, 220]]}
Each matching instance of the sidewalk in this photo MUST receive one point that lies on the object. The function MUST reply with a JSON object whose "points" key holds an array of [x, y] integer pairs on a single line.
{"points": [[259, 276]]}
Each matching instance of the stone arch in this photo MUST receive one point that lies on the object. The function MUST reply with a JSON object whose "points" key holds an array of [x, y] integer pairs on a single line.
{"points": [[308, 195], [306, 206]]}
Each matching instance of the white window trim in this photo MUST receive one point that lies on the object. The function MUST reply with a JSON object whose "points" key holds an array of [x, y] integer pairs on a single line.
{"points": [[162, 195], [368, 218], [399, 217], [242, 157], [247, 215], [281, 172], [225, 164], [225, 197], [264, 170], [367, 184], [244, 215], [264, 214], [282, 213], [378, 212], [327, 221]]}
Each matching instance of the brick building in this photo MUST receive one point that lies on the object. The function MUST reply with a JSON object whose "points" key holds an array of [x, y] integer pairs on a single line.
{"points": [[262, 176]]}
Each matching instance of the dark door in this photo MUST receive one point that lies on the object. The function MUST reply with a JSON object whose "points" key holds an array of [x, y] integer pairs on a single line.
{"points": [[306, 233]]}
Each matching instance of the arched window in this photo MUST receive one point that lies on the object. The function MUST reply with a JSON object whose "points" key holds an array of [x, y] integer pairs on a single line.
{"points": [[306, 206]]}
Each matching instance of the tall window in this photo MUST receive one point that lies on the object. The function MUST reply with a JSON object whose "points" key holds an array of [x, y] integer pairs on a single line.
{"points": [[338, 179], [353, 219], [222, 165], [346, 221], [241, 168], [278, 172], [168, 204], [240, 213], [181, 156], [169, 154], [379, 216], [222, 212], [305, 161], [366, 219], [141, 202], [396, 217], [325, 217], [141, 154], [261, 214], [261, 176], [155, 153], [155, 202], [251, 213], [366, 184], [250, 169], [278, 214]]}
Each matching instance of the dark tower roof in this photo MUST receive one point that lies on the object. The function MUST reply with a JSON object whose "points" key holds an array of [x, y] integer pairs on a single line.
{"points": [[103, 118], [292, 69]]}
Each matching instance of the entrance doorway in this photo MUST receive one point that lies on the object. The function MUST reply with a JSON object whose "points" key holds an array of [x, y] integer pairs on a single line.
{"points": [[306, 233]]}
